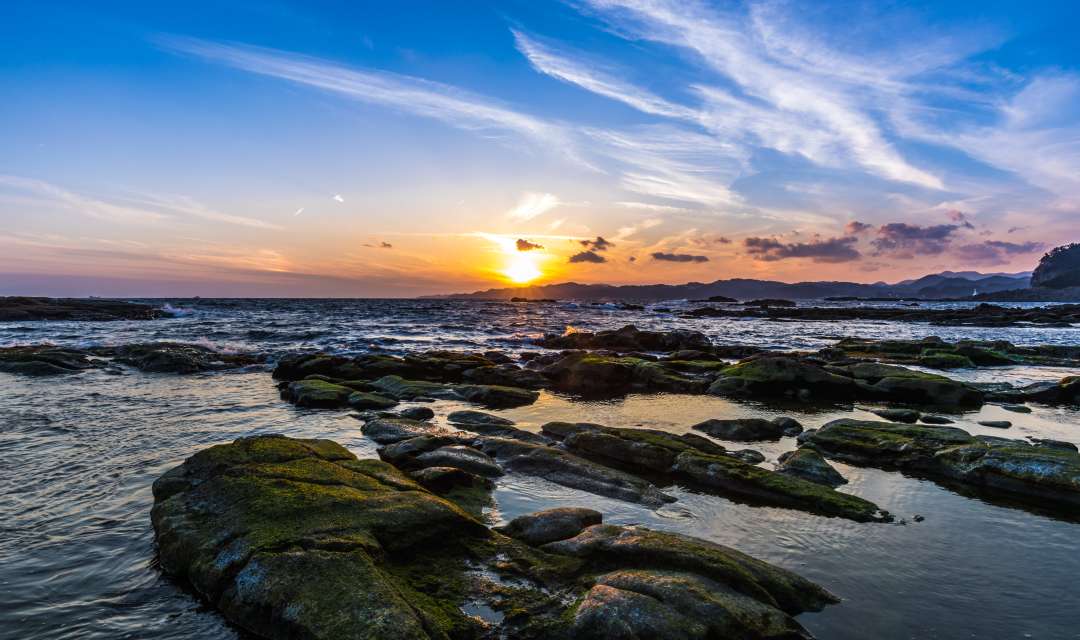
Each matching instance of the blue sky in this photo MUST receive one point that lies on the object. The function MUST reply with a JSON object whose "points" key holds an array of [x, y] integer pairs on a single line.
{"points": [[277, 148]]}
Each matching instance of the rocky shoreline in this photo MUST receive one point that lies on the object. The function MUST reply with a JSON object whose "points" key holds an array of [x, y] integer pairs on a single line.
{"points": [[981, 315], [17, 308], [298, 538]]}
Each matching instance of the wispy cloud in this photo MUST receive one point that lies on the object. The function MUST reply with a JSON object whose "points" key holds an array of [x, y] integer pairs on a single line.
{"points": [[41, 192], [451, 105], [531, 205]]}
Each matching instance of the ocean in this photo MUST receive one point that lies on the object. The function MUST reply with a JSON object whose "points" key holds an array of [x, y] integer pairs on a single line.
{"points": [[78, 454]]}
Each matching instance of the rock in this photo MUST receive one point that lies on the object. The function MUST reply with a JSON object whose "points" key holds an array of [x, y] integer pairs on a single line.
{"points": [[749, 429], [417, 413], [637, 448], [748, 456], [1016, 408], [635, 604], [778, 376], [809, 465], [991, 464], [570, 470], [909, 416], [299, 539], [551, 525], [19, 308], [361, 400], [708, 465], [926, 390], [629, 338], [932, 419], [657, 551], [770, 302], [444, 480], [294, 538], [391, 430], [316, 394], [996, 424], [734, 477], [471, 418], [461, 457], [1054, 444], [170, 357], [496, 396], [44, 360]]}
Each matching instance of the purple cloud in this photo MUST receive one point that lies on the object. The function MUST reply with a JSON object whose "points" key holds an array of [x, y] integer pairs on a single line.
{"points": [[855, 227], [995, 251], [906, 241], [525, 245], [597, 245], [678, 257], [821, 250], [587, 256]]}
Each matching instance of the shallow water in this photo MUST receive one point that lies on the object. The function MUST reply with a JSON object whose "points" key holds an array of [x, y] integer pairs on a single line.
{"points": [[78, 455]]}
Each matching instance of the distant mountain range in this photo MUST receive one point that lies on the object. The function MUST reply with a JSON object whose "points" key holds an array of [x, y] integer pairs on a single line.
{"points": [[945, 285]]}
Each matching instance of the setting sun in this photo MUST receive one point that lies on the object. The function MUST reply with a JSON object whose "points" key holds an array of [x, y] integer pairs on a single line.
{"points": [[522, 268]]}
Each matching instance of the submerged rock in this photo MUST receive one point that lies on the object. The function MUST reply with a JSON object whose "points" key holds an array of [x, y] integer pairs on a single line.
{"points": [[909, 416], [570, 470], [996, 464], [749, 429], [809, 465], [171, 357], [551, 525], [693, 458], [995, 424], [391, 430]]}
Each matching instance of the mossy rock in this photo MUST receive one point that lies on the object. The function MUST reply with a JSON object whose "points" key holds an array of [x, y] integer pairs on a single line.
{"points": [[317, 393], [938, 359]]}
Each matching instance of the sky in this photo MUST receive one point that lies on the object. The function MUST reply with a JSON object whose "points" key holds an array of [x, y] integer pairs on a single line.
{"points": [[318, 149]]}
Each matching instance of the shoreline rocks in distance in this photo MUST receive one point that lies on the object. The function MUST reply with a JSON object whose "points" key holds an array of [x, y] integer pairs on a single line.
{"points": [[19, 308]]}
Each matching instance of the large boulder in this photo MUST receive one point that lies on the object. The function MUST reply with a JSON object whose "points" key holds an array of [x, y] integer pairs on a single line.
{"points": [[808, 464], [44, 360]]}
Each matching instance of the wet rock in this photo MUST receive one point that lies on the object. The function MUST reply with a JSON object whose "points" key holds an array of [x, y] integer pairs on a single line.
{"points": [[496, 396], [809, 465], [391, 430], [734, 477], [634, 604], [909, 416], [645, 549], [779, 376], [629, 338], [748, 456], [299, 539], [471, 418], [551, 525], [914, 388], [1016, 408], [995, 424], [294, 538], [570, 470], [749, 429], [171, 357], [461, 457], [932, 419], [995, 464], [20, 308], [1054, 444], [316, 394], [636, 448], [770, 302], [361, 400], [44, 360], [417, 413]]}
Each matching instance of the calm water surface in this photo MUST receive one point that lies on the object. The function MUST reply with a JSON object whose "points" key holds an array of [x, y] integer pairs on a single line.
{"points": [[78, 455]]}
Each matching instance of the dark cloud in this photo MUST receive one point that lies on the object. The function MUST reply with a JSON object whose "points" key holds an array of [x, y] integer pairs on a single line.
{"points": [[525, 245], [632, 259], [587, 256], [678, 257], [855, 227], [385, 245], [904, 240], [708, 240], [995, 251], [597, 245], [819, 250], [960, 218]]}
